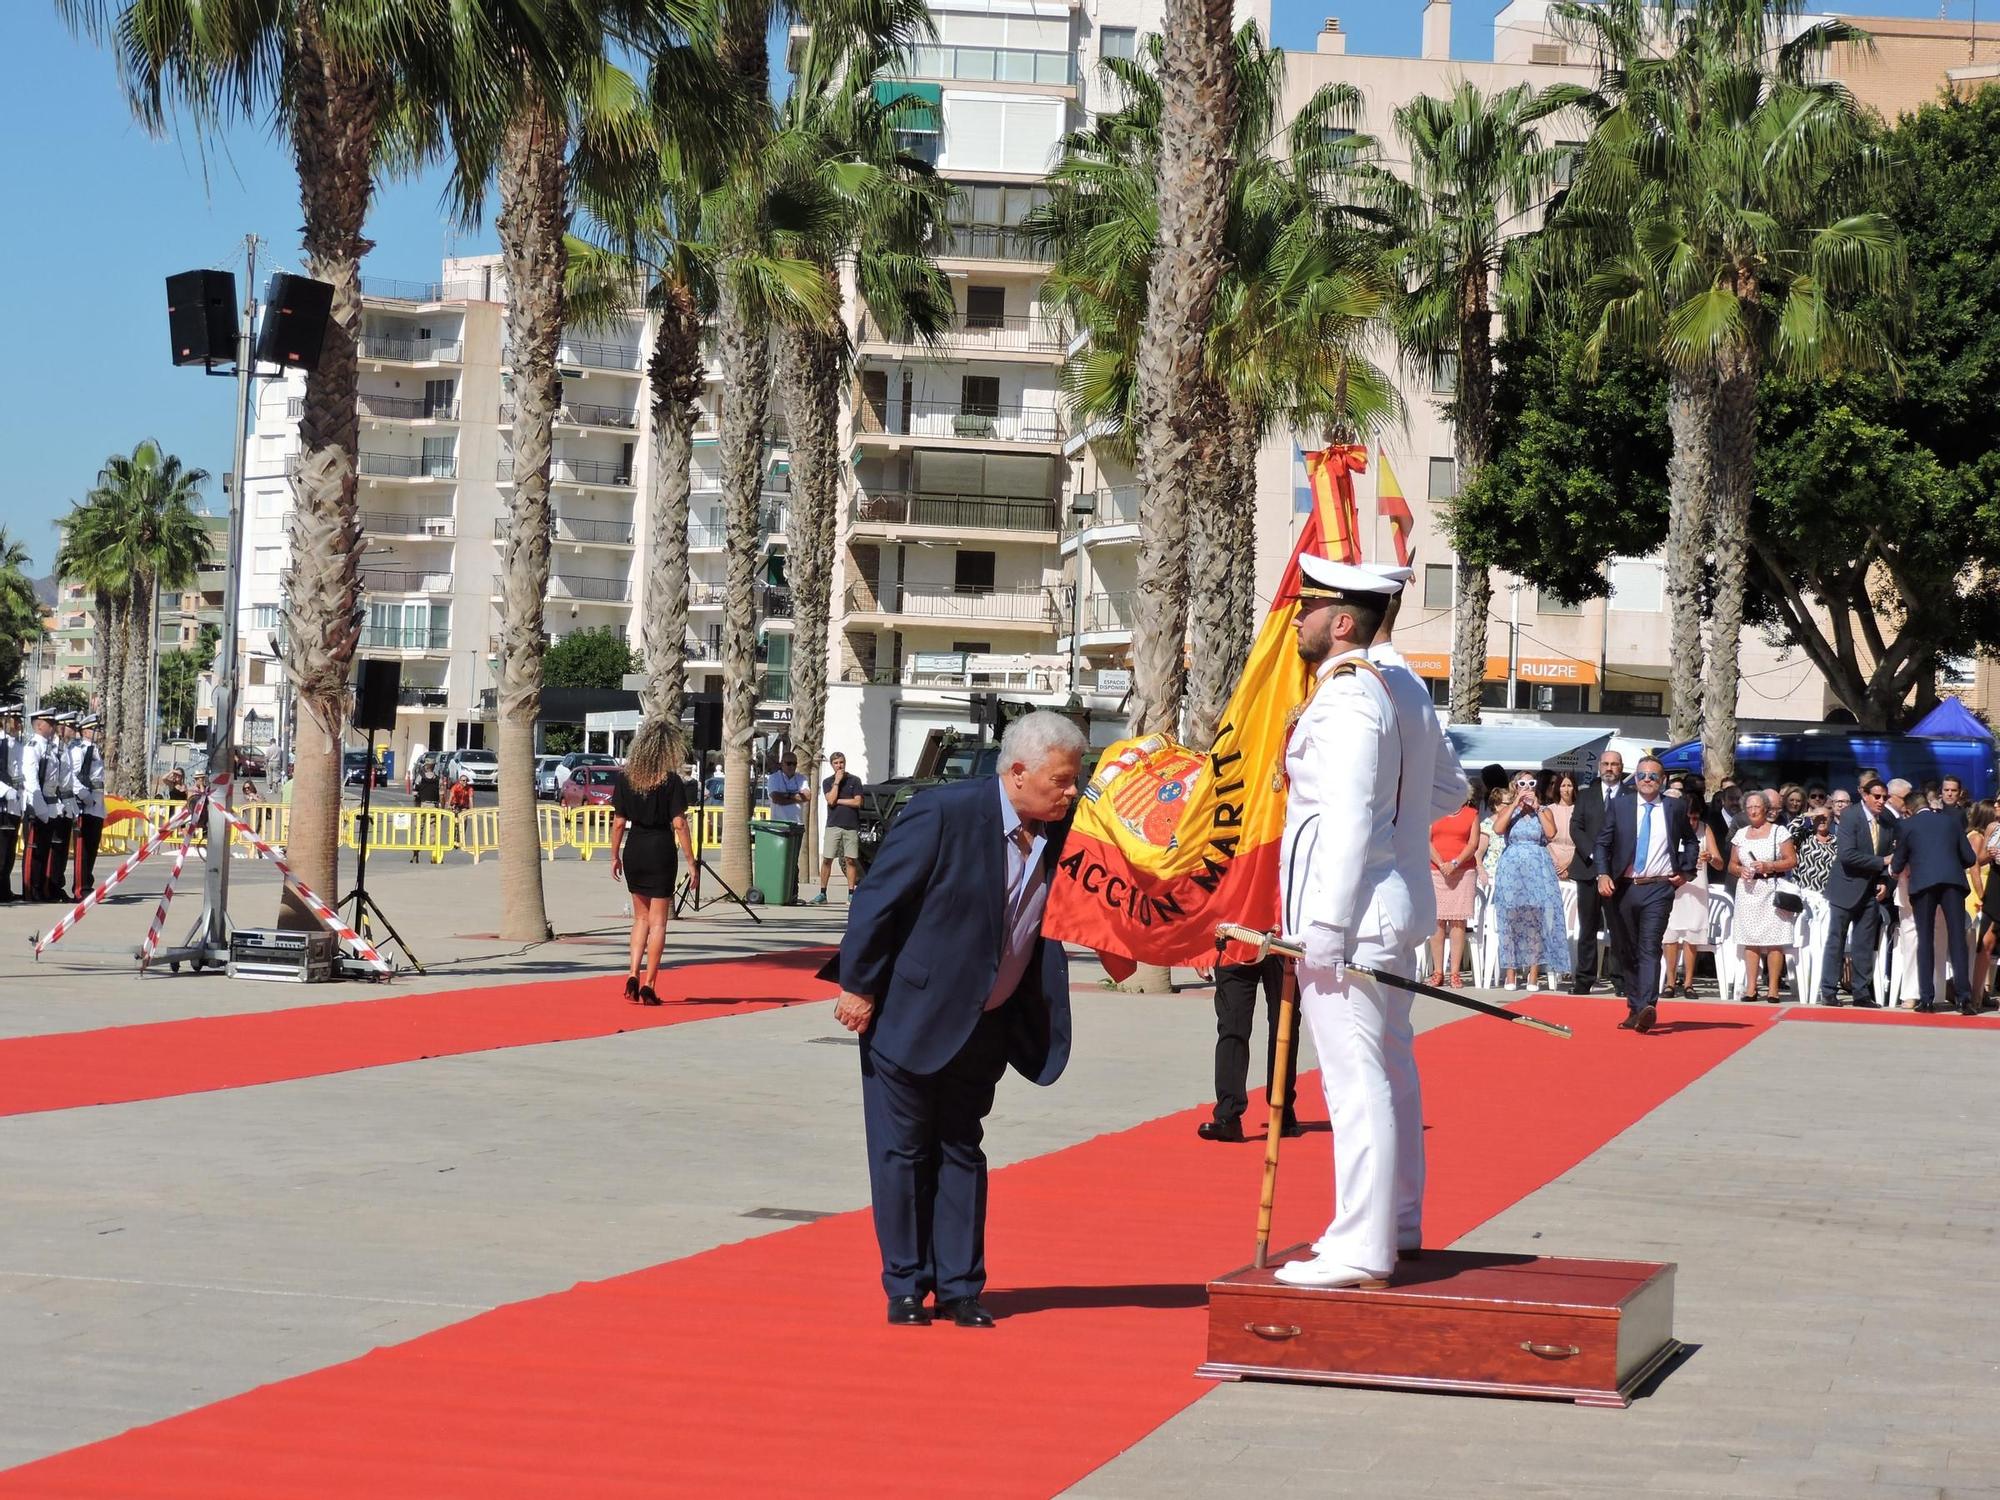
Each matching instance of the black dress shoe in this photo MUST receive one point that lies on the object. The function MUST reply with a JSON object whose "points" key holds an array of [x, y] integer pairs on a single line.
{"points": [[1645, 1019], [1867, 1004], [1581, 987], [1220, 1130], [1968, 1008], [909, 1310], [1626, 1024], [966, 1313]]}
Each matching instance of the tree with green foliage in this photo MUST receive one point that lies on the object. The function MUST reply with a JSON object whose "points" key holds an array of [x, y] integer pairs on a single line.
{"points": [[66, 698], [600, 658], [180, 683], [20, 614]]}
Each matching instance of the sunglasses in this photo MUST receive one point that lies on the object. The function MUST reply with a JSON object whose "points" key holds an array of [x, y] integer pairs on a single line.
{"points": [[1874, 792], [1645, 775]]}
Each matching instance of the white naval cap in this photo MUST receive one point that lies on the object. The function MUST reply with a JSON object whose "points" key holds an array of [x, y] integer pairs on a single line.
{"points": [[1322, 578], [1396, 573]]}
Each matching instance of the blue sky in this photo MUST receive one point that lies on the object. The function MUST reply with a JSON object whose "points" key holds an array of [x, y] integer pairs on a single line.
{"points": [[111, 212]]}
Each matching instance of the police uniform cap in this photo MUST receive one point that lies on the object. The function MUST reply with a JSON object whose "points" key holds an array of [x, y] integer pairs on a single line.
{"points": [[1322, 578]]}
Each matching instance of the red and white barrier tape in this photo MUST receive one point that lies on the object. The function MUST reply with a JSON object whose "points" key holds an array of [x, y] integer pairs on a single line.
{"points": [[363, 949], [117, 878], [152, 943]]}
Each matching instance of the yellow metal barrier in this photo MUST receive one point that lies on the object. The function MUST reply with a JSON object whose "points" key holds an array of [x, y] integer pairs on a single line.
{"points": [[589, 829], [711, 822], [479, 831], [413, 830], [270, 821], [553, 823]]}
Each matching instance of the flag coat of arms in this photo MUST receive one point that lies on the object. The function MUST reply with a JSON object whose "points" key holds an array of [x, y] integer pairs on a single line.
{"points": [[1170, 841]]}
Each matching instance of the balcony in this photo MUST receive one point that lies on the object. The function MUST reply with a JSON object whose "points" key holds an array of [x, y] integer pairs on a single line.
{"points": [[406, 638], [422, 697], [1013, 336], [961, 420], [704, 536], [956, 513], [580, 530], [404, 581], [988, 242], [949, 605], [407, 466], [582, 414], [390, 408], [597, 473], [600, 590], [777, 687], [1110, 613], [707, 595], [621, 358], [990, 65], [1117, 506], [388, 350], [386, 289], [777, 603], [396, 523]]}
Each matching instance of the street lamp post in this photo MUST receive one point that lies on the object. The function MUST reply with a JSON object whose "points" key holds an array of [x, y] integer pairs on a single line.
{"points": [[1082, 506]]}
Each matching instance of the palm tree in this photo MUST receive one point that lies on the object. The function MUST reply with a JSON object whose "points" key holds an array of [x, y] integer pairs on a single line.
{"points": [[340, 79], [136, 532], [1477, 167], [1734, 193], [20, 613]]}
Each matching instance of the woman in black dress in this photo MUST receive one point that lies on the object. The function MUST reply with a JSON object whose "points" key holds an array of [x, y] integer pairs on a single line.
{"points": [[648, 820]]}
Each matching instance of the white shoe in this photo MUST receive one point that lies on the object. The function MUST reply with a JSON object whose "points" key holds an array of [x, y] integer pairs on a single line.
{"points": [[1324, 1273]]}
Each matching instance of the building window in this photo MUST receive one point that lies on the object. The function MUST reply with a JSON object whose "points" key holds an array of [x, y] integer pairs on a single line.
{"points": [[1571, 159], [1548, 604], [263, 617], [986, 307], [1444, 378], [1437, 585], [269, 560], [1620, 701], [1118, 41], [972, 572], [1444, 478], [1637, 588], [979, 395], [1552, 697]]}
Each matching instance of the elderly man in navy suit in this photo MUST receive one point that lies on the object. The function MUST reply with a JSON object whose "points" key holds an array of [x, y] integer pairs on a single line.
{"points": [[945, 974], [1858, 892], [1933, 847], [1644, 851]]}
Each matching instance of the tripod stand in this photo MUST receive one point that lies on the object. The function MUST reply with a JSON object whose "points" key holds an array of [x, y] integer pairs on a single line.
{"points": [[363, 903], [689, 896]]}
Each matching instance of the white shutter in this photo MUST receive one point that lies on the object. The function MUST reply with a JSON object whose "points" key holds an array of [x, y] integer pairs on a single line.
{"points": [[1034, 127]]}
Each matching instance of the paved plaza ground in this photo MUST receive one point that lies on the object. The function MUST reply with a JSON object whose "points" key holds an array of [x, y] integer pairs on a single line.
{"points": [[1827, 1191]]}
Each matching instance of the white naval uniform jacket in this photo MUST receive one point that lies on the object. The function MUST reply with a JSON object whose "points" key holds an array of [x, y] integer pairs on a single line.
{"points": [[1368, 767], [43, 807], [13, 797], [87, 785]]}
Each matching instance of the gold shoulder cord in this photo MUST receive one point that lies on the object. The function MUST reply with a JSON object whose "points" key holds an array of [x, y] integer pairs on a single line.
{"points": [[1347, 668]]}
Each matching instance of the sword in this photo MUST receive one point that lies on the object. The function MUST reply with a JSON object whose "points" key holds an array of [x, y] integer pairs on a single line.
{"points": [[1265, 943]]}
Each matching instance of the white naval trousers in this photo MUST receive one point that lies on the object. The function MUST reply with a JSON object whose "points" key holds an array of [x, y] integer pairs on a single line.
{"points": [[1361, 1031]]}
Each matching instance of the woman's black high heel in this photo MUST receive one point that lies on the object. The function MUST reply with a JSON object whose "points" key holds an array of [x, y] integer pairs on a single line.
{"points": [[646, 995], [632, 987]]}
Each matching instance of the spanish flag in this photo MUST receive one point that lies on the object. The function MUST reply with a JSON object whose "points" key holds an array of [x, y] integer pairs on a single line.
{"points": [[1390, 504], [1169, 842]]}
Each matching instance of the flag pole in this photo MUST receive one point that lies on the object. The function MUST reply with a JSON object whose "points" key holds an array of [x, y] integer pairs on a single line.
{"points": [[1281, 1081]]}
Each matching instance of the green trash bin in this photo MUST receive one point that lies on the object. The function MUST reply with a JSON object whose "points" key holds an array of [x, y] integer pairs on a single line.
{"points": [[774, 860]]}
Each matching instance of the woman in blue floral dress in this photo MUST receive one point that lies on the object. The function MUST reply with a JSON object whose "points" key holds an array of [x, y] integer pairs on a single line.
{"points": [[1527, 901]]}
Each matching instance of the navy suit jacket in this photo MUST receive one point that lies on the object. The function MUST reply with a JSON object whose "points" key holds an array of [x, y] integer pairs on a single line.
{"points": [[1618, 839], [1586, 821], [1932, 846], [1857, 868], [924, 938]]}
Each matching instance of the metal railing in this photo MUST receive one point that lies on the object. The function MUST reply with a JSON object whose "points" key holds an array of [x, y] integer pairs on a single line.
{"points": [[406, 408], [405, 581], [777, 603], [990, 422], [411, 351], [579, 414], [957, 512], [597, 356], [988, 65], [422, 697], [947, 602], [707, 595], [775, 520], [1115, 610], [609, 472], [604, 590], [388, 289], [578, 529], [408, 466], [704, 536], [406, 638], [987, 242], [395, 523], [777, 686], [1013, 333], [1116, 506]]}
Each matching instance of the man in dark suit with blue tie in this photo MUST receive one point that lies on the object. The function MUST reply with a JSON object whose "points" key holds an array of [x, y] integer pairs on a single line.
{"points": [[1644, 851], [1933, 848], [946, 976], [1857, 890]]}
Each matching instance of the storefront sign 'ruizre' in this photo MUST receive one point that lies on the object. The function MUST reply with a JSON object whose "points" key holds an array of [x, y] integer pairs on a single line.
{"points": [[1170, 841]]}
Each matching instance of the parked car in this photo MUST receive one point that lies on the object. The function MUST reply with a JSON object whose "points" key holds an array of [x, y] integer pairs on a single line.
{"points": [[355, 765], [547, 787], [480, 767], [589, 786], [567, 766]]}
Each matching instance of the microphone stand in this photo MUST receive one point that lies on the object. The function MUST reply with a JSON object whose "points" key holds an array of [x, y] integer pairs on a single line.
{"points": [[690, 897]]}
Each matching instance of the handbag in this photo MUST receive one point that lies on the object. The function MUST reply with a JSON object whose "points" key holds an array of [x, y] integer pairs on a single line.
{"points": [[1790, 901]]}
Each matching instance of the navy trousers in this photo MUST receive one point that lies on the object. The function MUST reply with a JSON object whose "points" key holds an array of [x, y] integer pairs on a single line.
{"points": [[1851, 933], [1639, 926], [1236, 987], [1924, 906], [926, 1171]]}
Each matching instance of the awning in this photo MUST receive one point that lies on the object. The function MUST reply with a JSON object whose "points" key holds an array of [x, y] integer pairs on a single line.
{"points": [[1951, 717], [1573, 670], [1532, 746], [922, 103]]}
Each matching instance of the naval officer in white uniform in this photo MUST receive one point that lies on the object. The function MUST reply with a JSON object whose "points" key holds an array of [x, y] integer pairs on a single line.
{"points": [[1369, 770]]}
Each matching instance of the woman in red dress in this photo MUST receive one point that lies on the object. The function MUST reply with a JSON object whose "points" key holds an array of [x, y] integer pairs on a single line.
{"points": [[1456, 844]]}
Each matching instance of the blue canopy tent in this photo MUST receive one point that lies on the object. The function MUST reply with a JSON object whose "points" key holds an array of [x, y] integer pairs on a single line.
{"points": [[1951, 717]]}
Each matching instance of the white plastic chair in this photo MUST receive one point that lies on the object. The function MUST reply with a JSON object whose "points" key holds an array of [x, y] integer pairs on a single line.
{"points": [[1809, 930], [1484, 936], [1721, 943]]}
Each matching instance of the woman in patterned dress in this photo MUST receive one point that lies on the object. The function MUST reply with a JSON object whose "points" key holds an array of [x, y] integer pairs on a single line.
{"points": [[1525, 896], [1759, 853], [1815, 846]]}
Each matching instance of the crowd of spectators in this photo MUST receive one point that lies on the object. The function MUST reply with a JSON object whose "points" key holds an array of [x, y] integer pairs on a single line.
{"points": [[1513, 868]]}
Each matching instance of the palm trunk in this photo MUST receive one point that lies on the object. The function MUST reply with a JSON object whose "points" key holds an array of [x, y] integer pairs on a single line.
{"points": [[676, 375], [137, 670], [534, 216], [1690, 480], [814, 361], [1472, 447], [746, 376], [1213, 629], [118, 754], [1735, 482], [336, 110], [1197, 120]]}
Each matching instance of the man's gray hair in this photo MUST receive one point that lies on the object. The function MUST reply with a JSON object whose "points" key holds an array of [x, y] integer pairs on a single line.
{"points": [[1033, 738], [1899, 788]]}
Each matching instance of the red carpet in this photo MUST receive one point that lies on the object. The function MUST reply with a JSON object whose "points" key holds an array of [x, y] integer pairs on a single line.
{"points": [[764, 1368], [156, 1060], [1848, 1013]]}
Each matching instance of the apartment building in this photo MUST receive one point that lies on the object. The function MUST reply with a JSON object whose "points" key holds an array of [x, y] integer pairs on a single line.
{"points": [[436, 478]]}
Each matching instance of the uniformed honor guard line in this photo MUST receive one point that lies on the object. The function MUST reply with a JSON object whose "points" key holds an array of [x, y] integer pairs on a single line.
{"points": [[1281, 1063]]}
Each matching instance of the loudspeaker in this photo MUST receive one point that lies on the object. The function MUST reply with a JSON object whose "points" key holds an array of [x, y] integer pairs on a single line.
{"points": [[201, 316], [294, 328], [707, 727], [375, 686]]}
